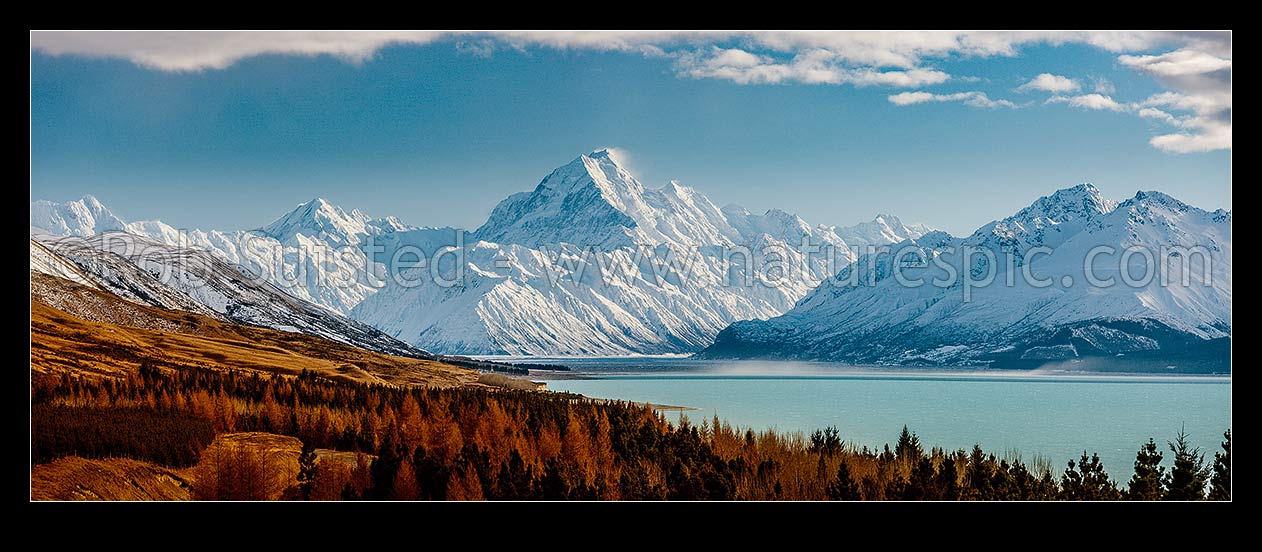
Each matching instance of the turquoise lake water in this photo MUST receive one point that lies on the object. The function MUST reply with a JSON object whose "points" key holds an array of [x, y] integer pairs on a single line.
{"points": [[1056, 415]]}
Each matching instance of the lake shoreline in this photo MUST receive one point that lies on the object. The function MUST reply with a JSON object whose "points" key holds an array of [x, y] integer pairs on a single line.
{"points": [[578, 367], [1050, 413]]}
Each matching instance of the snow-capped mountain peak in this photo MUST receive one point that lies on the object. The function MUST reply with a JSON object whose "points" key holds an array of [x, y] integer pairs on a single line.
{"points": [[319, 217], [884, 229], [526, 288], [1066, 204], [597, 169], [785, 225], [1158, 198], [389, 224], [92, 203], [589, 201], [1157, 217], [1048, 221], [594, 200], [82, 217]]}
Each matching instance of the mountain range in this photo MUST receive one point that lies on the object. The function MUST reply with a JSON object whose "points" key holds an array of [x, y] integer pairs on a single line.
{"points": [[592, 262], [1024, 323]]}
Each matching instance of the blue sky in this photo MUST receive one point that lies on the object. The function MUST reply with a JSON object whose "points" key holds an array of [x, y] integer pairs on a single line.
{"points": [[437, 130]]}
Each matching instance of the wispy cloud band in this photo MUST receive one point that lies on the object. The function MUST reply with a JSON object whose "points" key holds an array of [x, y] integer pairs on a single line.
{"points": [[1196, 67], [972, 98]]}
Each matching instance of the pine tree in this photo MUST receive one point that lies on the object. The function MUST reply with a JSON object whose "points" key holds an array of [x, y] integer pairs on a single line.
{"points": [[886, 457], [1087, 480], [383, 471], [1220, 484], [920, 483], [1148, 481], [307, 470], [946, 482], [1186, 480], [908, 446], [555, 485], [827, 441], [844, 486], [979, 473], [1003, 485]]}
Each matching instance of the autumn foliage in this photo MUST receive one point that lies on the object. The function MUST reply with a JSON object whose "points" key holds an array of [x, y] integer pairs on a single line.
{"points": [[169, 438], [474, 443]]}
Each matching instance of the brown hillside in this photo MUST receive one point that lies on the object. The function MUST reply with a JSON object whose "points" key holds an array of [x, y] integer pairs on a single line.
{"points": [[238, 466], [74, 478], [78, 329]]}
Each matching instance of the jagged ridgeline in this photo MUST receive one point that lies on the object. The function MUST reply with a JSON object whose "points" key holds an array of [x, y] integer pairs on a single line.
{"points": [[589, 262]]}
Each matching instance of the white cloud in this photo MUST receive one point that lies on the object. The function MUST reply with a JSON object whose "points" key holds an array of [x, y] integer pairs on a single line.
{"points": [[1159, 115], [903, 79], [1206, 126], [1198, 103], [909, 98], [731, 64], [1048, 82], [1200, 79], [1197, 69], [184, 51], [810, 67], [890, 49], [973, 98], [1177, 63], [1208, 137], [1190, 72], [482, 47], [1098, 102], [623, 41], [194, 51], [909, 48]]}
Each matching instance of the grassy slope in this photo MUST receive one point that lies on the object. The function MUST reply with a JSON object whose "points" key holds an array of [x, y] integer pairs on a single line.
{"points": [[82, 330], [74, 478]]}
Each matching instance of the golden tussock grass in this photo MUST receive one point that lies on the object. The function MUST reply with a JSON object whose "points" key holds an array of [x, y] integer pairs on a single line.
{"points": [[107, 336]]}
